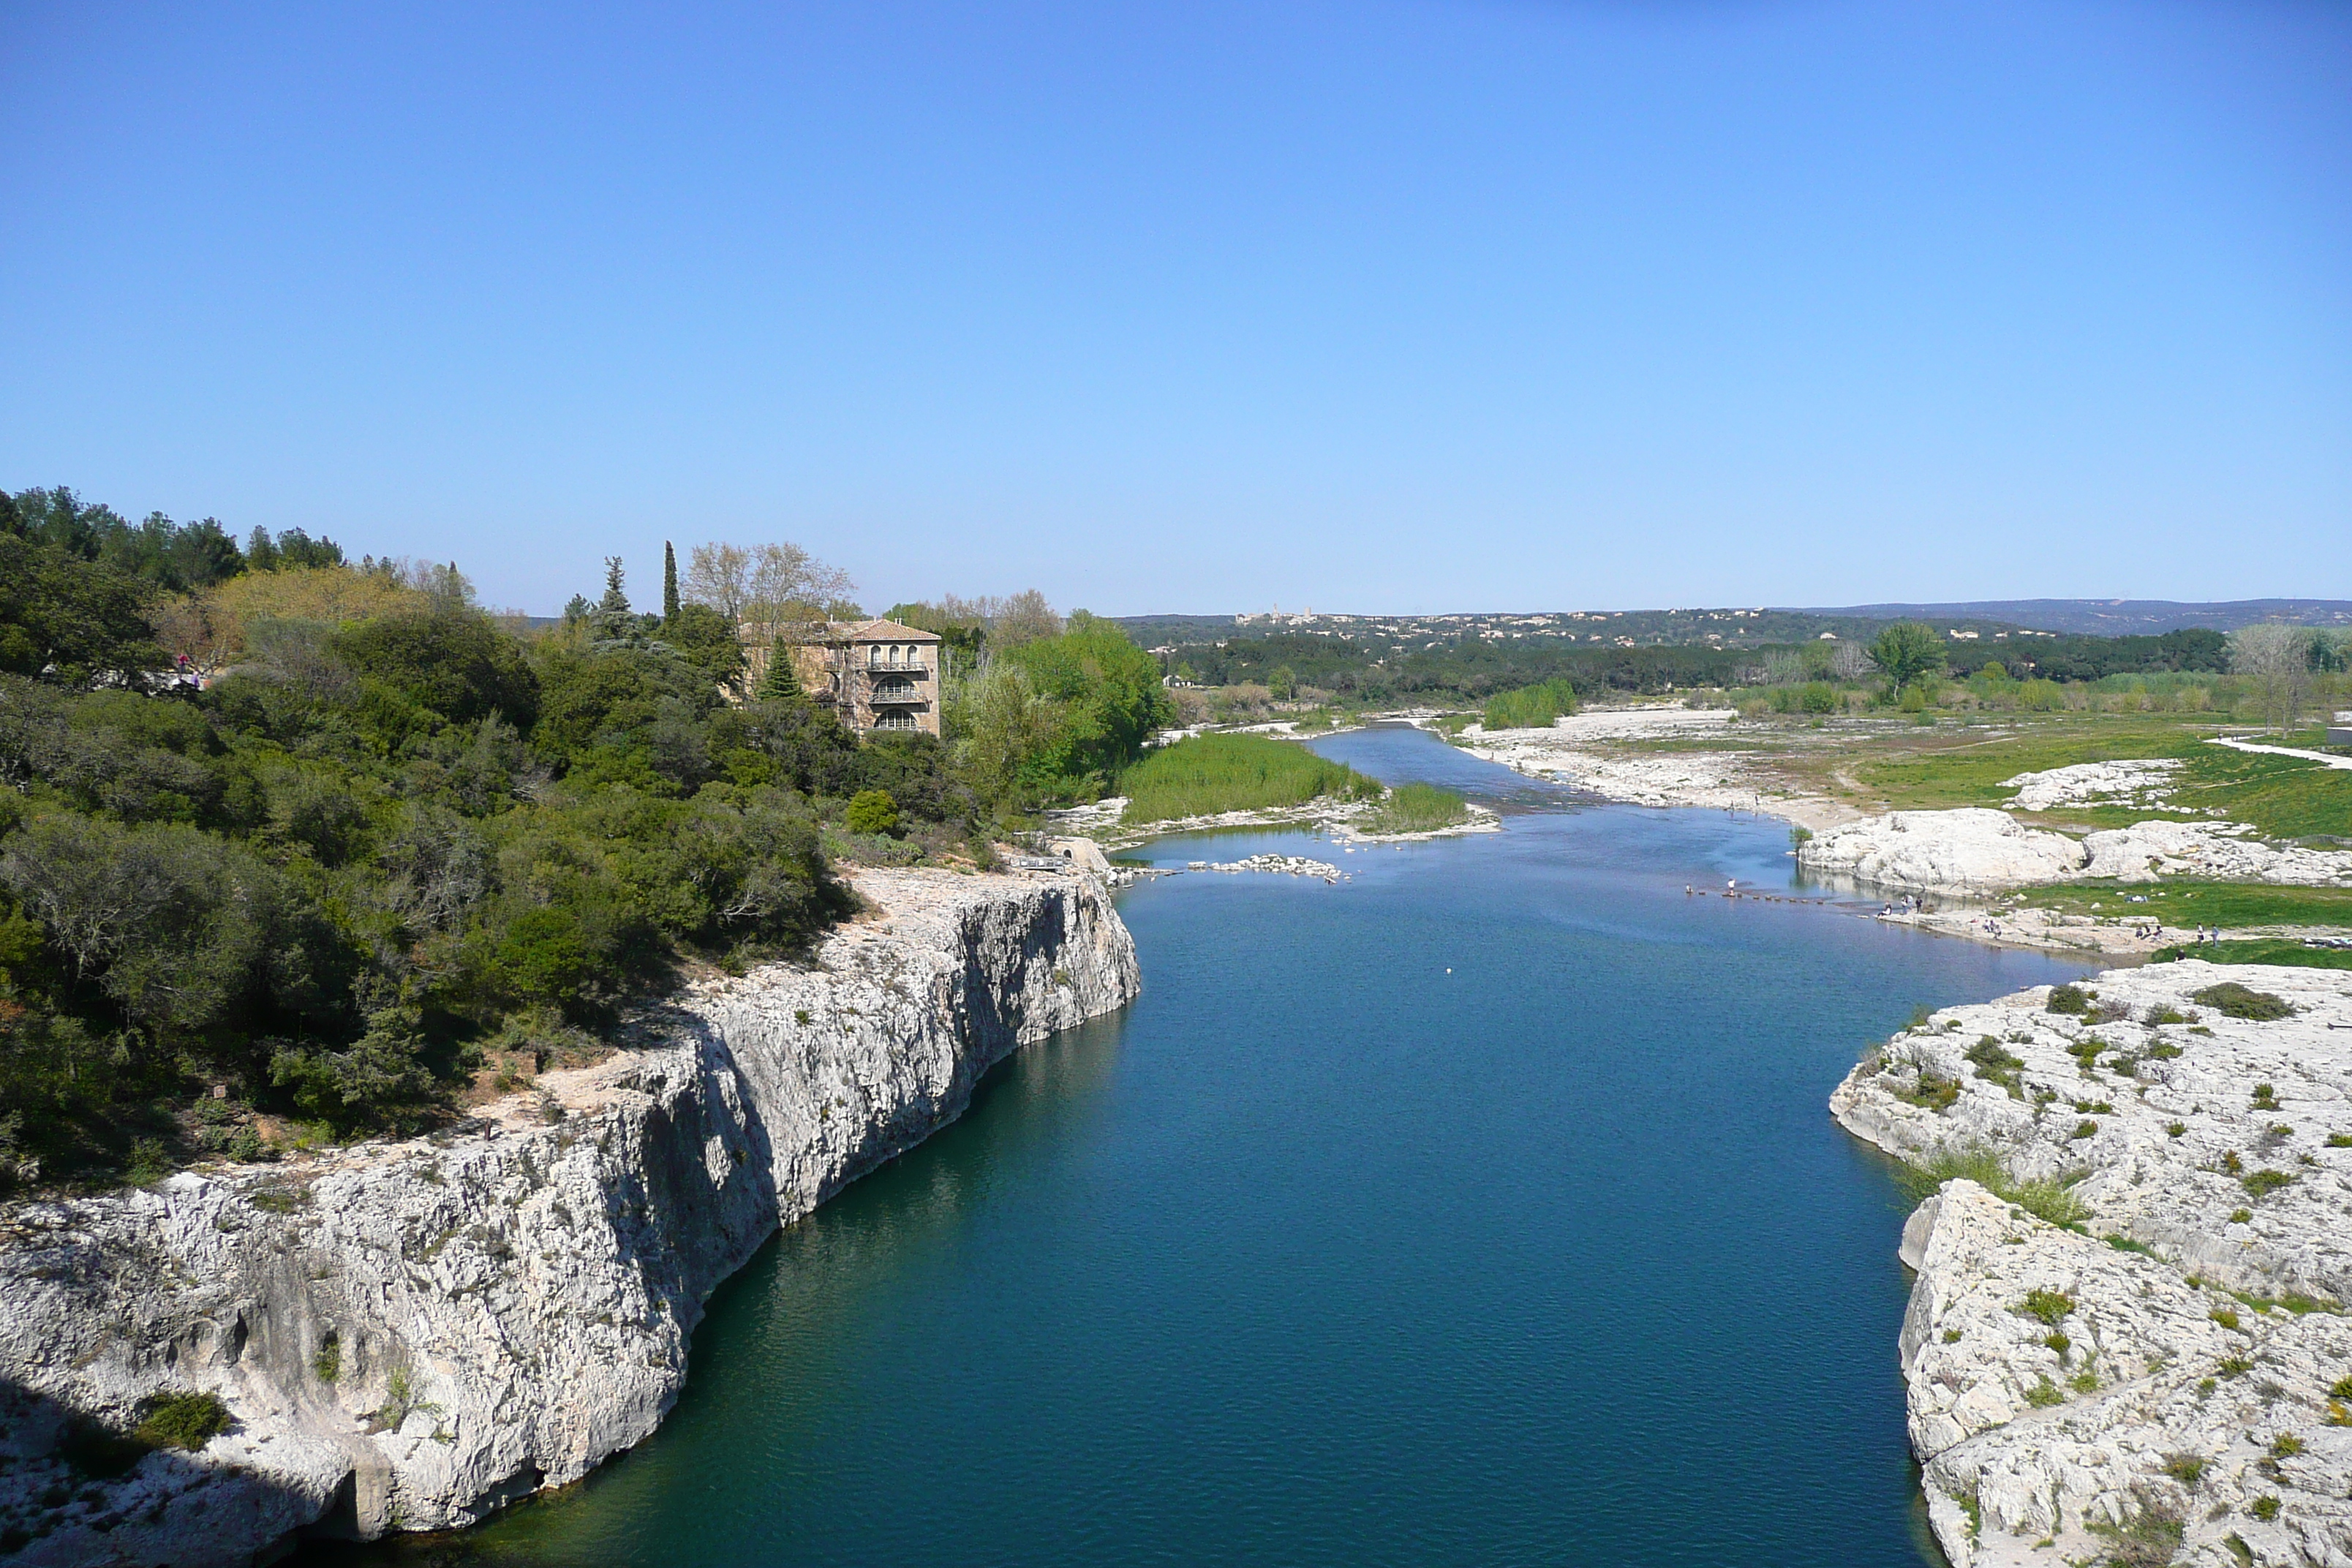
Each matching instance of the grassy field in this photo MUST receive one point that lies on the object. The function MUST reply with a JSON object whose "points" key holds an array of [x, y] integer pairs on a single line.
{"points": [[1416, 808], [1882, 766], [2290, 953], [1211, 774], [2229, 905]]}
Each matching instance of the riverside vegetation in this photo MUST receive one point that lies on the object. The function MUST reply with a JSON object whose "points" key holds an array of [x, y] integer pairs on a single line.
{"points": [[395, 843], [1205, 775], [2265, 675]]}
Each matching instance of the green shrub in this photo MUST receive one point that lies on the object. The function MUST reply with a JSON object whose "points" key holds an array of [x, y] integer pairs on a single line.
{"points": [[1996, 1064], [871, 811], [2184, 1467], [2049, 1306], [182, 1420], [2235, 1001], [2261, 1184], [2045, 1394], [2265, 1509], [1530, 706], [1934, 1093], [2069, 998], [326, 1361], [2041, 696]]}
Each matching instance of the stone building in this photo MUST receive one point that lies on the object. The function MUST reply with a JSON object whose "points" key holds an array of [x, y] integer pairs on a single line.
{"points": [[876, 675]]}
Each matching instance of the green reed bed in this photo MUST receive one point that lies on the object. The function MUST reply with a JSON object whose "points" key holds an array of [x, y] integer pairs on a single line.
{"points": [[1211, 774], [1416, 808]]}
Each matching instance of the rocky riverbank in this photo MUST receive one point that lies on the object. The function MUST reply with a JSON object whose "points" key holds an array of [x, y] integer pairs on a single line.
{"points": [[1578, 751], [2165, 1374], [1976, 850], [408, 1335]]}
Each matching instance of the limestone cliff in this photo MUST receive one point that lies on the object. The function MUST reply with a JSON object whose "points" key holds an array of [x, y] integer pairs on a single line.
{"points": [[2166, 1376], [410, 1334]]}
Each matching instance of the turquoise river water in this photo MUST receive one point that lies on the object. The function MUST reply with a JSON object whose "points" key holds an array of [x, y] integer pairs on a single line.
{"points": [[1480, 1208]]}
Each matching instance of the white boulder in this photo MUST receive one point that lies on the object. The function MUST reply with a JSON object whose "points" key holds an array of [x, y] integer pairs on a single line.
{"points": [[1968, 850]]}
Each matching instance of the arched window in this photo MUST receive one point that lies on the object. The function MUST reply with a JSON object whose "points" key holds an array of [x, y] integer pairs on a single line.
{"points": [[898, 718]]}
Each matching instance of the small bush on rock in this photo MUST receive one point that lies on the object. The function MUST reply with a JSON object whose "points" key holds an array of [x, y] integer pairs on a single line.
{"points": [[1937, 1094], [182, 1420], [2263, 1183], [2233, 1000], [1995, 1065], [2147, 1538], [2069, 999], [2050, 1306]]}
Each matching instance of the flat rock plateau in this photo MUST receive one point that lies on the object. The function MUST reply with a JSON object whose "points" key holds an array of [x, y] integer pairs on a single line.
{"points": [[409, 1334], [2165, 1376]]}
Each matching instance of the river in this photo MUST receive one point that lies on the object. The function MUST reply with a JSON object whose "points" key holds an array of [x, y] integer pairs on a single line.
{"points": [[1482, 1207]]}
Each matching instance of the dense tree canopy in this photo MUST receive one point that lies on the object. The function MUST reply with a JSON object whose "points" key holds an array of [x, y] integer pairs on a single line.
{"points": [[392, 835]]}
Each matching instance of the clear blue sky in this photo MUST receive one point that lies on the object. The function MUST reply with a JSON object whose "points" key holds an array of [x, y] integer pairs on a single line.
{"points": [[1369, 306]]}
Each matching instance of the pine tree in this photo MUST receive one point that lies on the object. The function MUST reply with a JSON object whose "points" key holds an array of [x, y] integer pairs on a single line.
{"points": [[615, 601], [669, 585], [781, 682]]}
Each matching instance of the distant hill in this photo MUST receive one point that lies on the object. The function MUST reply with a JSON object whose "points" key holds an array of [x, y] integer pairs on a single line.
{"points": [[1614, 628], [2114, 617]]}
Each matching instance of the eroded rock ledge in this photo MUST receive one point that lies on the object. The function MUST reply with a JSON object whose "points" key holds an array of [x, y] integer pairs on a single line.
{"points": [[2163, 1378], [410, 1334]]}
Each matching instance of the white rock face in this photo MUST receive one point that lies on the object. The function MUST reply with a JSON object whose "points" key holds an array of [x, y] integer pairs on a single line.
{"points": [[2195, 1374], [2139, 783], [410, 1334], [1970, 850], [2220, 850]]}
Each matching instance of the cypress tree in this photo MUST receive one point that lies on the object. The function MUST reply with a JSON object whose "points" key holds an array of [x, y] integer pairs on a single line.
{"points": [[781, 682], [669, 583]]}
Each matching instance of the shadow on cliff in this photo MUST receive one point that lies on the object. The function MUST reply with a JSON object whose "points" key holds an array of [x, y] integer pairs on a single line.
{"points": [[80, 1487]]}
